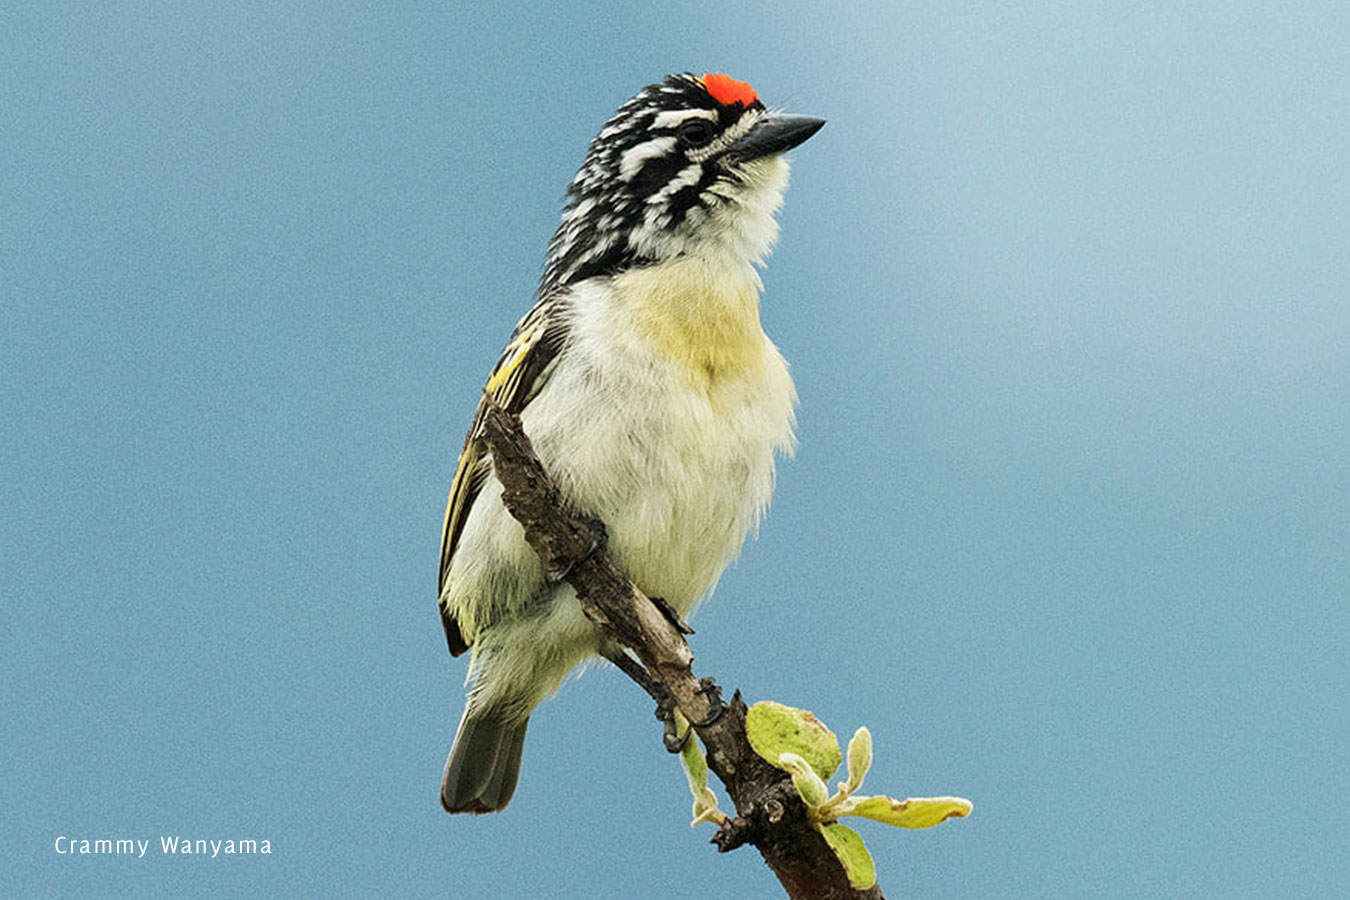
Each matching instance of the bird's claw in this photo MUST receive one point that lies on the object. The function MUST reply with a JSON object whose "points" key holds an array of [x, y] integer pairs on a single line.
{"points": [[671, 738], [716, 707]]}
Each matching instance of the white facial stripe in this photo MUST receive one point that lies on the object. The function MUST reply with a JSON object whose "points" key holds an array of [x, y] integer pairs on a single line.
{"points": [[688, 175], [631, 162], [673, 117], [728, 137]]}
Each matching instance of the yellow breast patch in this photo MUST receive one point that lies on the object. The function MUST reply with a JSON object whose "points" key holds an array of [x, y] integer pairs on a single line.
{"points": [[697, 314]]}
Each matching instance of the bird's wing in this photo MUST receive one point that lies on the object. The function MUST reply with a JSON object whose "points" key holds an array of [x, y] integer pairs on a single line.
{"points": [[521, 371]]}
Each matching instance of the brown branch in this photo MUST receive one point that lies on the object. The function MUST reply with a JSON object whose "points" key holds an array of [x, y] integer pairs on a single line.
{"points": [[770, 815]]}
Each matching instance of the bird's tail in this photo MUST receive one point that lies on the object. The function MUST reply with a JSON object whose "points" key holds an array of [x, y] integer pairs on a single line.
{"points": [[484, 763]]}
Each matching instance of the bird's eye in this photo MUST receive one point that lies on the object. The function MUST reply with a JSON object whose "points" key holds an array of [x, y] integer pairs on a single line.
{"points": [[696, 133]]}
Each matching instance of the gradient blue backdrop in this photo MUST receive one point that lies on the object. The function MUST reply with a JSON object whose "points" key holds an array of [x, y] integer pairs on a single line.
{"points": [[1065, 290]]}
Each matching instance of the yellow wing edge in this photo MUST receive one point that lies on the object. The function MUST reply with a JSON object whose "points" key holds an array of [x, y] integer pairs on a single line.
{"points": [[521, 370]]}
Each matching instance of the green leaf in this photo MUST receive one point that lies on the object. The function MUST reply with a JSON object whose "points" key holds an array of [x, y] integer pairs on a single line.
{"points": [[774, 729], [852, 853], [696, 773], [695, 764], [916, 812]]}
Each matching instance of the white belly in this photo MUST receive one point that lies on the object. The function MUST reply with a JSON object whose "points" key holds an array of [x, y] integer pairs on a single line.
{"points": [[673, 452], [676, 460]]}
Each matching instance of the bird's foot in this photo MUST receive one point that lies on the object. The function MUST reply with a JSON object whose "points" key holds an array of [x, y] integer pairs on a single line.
{"points": [[671, 738], [665, 704], [716, 706]]}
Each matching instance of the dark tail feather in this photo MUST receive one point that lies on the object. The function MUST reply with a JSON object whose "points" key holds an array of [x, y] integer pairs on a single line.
{"points": [[480, 775]]}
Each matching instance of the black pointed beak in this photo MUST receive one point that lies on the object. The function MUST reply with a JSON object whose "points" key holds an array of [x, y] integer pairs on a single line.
{"points": [[775, 134]]}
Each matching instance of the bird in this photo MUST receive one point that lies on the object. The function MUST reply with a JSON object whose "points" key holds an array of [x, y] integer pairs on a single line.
{"points": [[651, 394]]}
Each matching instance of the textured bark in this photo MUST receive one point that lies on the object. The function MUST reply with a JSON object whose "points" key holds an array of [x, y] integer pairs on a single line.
{"points": [[769, 814]]}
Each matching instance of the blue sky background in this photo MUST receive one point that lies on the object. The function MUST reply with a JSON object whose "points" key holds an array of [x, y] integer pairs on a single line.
{"points": [[1066, 292]]}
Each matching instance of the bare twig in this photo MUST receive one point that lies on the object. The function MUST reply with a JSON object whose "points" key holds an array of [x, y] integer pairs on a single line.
{"points": [[769, 813]]}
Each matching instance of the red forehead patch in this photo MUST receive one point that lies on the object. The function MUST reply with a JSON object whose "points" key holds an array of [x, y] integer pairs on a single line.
{"points": [[727, 90]]}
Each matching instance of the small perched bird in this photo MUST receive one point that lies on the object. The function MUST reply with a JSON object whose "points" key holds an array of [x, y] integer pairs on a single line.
{"points": [[651, 394]]}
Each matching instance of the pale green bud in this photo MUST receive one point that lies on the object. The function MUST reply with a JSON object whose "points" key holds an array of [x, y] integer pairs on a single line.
{"points": [[859, 759], [809, 785]]}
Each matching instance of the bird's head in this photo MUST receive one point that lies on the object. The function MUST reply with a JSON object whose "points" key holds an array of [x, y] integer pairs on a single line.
{"points": [[692, 165]]}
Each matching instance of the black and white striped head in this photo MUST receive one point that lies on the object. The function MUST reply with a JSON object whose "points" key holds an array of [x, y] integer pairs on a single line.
{"points": [[693, 164]]}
